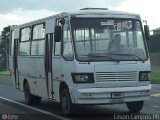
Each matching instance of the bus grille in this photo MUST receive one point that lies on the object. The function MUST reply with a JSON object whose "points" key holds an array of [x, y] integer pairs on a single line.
{"points": [[116, 76]]}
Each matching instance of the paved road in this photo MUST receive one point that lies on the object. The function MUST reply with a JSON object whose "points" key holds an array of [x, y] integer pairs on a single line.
{"points": [[12, 111], [151, 108]]}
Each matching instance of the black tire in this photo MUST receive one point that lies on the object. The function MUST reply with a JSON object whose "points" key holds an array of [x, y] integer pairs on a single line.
{"points": [[29, 98], [66, 103], [135, 107], [37, 100]]}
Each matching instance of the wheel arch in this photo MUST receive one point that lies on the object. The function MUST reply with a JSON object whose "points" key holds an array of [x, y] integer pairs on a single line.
{"points": [[65, 99], [61, 86], [24, 82]]}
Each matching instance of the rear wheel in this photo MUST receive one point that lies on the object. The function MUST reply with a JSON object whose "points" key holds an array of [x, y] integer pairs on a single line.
{"points": [[66, 103], [29, 98], [135, 107]]}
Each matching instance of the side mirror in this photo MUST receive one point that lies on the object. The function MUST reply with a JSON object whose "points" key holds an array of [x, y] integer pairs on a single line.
{"points": [[147, 32], [57, 33]]}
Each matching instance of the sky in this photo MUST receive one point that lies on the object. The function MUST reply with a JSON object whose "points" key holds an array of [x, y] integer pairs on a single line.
{"points": [[15, 12]]}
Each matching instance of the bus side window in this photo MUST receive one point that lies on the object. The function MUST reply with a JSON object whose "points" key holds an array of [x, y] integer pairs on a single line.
{"points": [[24, 48], [37, 46], [57, 48]]}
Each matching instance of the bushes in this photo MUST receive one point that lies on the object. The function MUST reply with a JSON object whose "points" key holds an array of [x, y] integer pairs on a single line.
{"points": [[154, 43]]}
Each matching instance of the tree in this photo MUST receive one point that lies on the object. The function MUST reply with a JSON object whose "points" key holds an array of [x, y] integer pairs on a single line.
{"points": [[4, 48]]}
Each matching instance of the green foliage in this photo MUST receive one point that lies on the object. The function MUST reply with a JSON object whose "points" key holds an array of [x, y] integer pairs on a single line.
{"points": [[4, 47], [155, 76], [154, 49], [155, 65], [153, 43]]}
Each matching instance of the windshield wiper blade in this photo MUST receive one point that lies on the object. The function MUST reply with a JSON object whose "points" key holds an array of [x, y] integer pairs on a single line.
{"points": [[110, 58], [130, 55], [103, 56]]}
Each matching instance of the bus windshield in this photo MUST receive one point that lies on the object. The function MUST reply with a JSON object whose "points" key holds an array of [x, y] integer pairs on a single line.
{"points": [[108, 39]]}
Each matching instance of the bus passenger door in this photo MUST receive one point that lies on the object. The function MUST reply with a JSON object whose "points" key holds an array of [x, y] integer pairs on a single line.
{"points": [[56, 66], [15, 62], [48, 64]]}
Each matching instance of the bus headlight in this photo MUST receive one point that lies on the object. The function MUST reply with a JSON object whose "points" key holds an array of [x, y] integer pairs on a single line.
{"points": [[143, 76], [82, 77]]}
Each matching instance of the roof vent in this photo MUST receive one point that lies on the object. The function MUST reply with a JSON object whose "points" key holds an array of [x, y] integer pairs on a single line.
{"points": [[94, 9]]}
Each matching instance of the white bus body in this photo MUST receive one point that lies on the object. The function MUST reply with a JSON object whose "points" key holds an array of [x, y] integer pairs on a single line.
{"points": [[66, 58]]}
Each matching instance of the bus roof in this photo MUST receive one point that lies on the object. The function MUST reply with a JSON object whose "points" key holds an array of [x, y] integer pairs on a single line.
{"points": [[103, 12], [88, 13]]}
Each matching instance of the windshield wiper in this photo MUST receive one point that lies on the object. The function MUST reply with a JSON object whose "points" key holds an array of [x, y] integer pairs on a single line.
{"points": [[131, 55], [90, 55]]}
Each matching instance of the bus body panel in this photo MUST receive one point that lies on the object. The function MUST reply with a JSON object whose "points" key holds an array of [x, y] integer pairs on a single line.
{"points": [[50, 23], [56, 65], [41, 78], [26, 73], [104, 95], [127, 76]]}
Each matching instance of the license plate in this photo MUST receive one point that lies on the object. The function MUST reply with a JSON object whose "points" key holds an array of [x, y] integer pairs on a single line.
{"points": [[117, 95], [117, 101]]}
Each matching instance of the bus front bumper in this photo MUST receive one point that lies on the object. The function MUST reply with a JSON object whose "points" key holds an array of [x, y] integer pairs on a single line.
{"points": [[109, 95]]}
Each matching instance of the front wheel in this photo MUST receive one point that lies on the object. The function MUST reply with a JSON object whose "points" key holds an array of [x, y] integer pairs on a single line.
{"points": [[135, 107], [66, 103]]}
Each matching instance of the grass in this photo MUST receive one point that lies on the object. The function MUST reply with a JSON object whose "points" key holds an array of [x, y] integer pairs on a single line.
{"points": [[4, 73], [155, 64], [155, 75]]}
